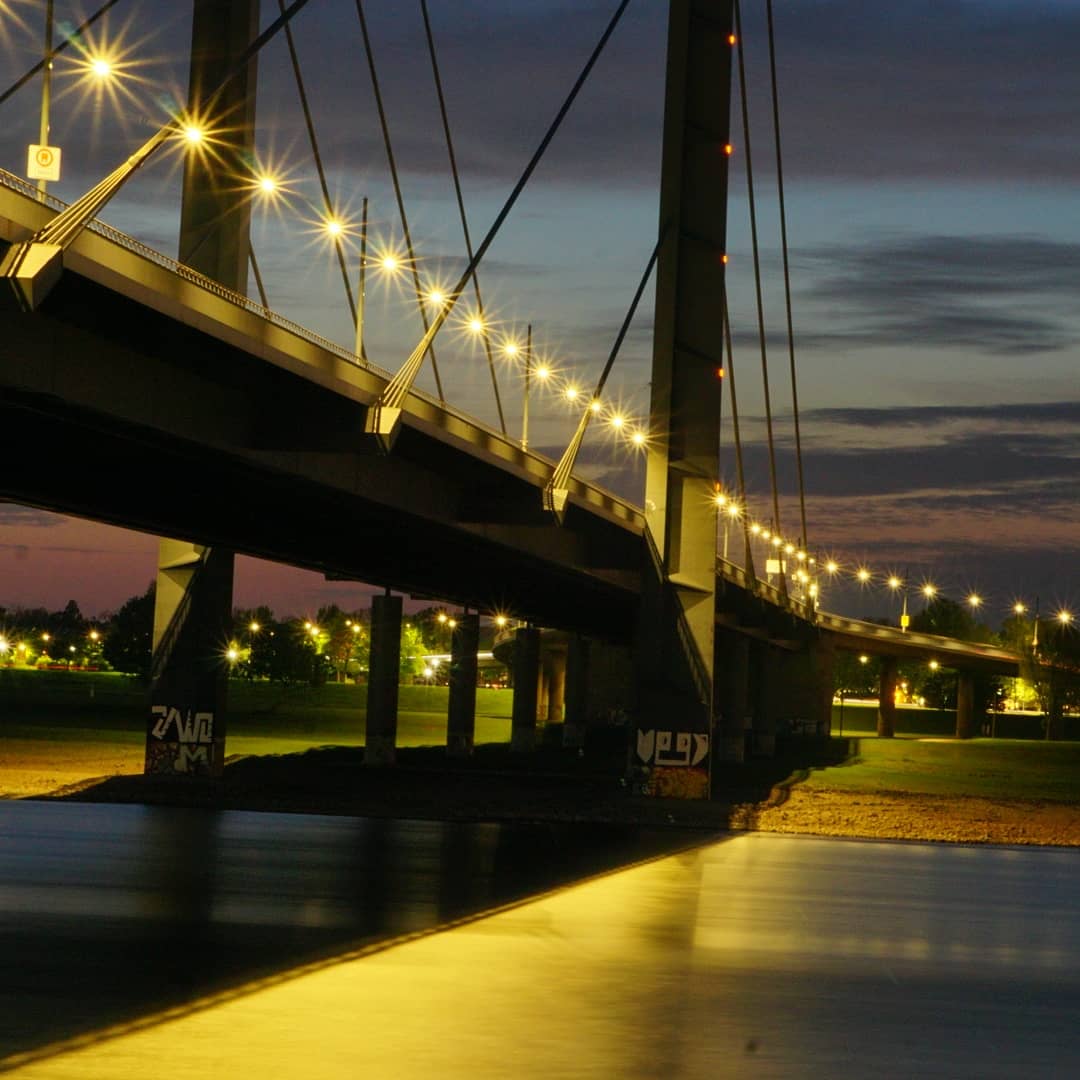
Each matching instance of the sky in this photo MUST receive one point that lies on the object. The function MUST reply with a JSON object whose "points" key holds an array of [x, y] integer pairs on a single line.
{"points": [[931, 167]]}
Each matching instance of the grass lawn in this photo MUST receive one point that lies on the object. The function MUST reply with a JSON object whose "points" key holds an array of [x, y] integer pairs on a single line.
{"points": [[992, 768], [59, 727]]}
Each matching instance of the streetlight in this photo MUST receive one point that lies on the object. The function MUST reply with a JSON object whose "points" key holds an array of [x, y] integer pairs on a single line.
{"points": [[896, 583]]}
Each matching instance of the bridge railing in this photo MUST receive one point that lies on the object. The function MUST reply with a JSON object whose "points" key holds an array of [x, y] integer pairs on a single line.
{"points": [[129, 243]]}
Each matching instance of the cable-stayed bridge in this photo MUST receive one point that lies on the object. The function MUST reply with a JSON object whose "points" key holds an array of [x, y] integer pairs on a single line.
{"points": [[215, 420]]}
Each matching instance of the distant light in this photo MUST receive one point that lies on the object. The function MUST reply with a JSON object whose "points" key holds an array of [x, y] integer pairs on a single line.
{"points": [[1064, 617], [543, 372], [894, 582], [801, 556], [451, 623], [71, 648], [4, 646], [734, 510], [638, 438], [94, 635], [720, 499], [436, 297], [864, 659], [832, 567], [232, 655], [862, 574], [617, 421], [254, 627], [390, 263], [571, 393], [476, 325], [101, 67], [776, 541], [934, 665], [428, 672], [789, 549], [975, 600], [268, 184], [1019, 608], [501, 620], [511, 348], [595, 406], [723, 259], [45, 637], [929, 591], [731, 39], [755, 529], [193, 134], [314, 631], [333, 227], [442, 616], [728, 149]]}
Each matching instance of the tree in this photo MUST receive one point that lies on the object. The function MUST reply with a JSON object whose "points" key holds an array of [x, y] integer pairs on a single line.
{"points": [[128, 645]]}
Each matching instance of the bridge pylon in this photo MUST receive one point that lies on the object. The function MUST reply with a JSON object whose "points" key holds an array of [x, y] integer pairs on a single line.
{"points": [[676, 636], [193, 601]]}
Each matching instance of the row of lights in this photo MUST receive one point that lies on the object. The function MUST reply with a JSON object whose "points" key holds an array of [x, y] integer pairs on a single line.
{"points": [[22, 646], [394, 263], [807, 564], [196, 133]]}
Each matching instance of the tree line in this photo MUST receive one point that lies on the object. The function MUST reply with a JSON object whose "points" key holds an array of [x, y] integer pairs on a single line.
{"points": [[333, 644]]}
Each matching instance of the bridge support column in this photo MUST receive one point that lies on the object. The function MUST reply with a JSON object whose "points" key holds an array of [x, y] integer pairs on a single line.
{"points": [[1055, 718], [732, 688], [767, 691], [886, 716], [384, 674], [526, 685], [192, 608], [965, 705], [555, 669], [461, 710], [192, 622], [823, 684], [674, 707], [576, 716]]}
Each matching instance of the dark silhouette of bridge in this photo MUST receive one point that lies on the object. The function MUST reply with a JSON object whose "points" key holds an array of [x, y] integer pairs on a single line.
{"points": [[213, 419]]}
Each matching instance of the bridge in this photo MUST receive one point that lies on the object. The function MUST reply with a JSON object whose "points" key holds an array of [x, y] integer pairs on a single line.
{"points": [[213, 419]]}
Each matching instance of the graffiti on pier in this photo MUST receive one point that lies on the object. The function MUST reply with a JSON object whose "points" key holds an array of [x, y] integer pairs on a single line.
{"points": [[180, 740], [673, 749], [674, 763]]}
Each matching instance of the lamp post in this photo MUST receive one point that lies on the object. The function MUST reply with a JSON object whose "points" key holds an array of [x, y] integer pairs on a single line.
{"points": [[46, 87], [525, 399], [362, 282]]}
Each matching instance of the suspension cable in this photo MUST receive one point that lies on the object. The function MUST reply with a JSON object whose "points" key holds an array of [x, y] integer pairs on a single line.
{"points": [[327, 202], [461, 210], [740, 471], [557, 488], [397, 193], [20, 82], [397, 389], [258, 278], [787, 271], [757, 276]]}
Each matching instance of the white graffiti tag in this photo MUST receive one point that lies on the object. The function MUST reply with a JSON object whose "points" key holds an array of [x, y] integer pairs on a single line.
{"points": [[190, 726], [672, 748]]}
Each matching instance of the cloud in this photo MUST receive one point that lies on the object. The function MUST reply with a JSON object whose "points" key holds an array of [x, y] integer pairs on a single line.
{"points": [[1000, 295], [940, 89]]}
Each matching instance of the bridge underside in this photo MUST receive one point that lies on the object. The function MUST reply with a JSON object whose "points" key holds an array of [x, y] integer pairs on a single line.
{"points": [[124, 415]]}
